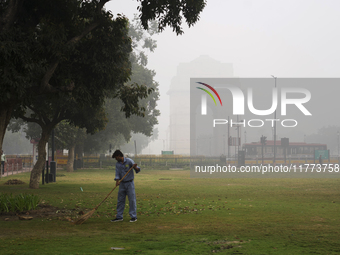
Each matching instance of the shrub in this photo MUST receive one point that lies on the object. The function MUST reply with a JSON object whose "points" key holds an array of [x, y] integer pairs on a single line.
{"points": [[18, 203]]}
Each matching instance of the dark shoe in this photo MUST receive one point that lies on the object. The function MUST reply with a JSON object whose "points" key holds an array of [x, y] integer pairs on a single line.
{"points": [[116, 220], [133, 220]]}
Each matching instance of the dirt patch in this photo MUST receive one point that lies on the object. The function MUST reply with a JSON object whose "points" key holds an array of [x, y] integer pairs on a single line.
{"points": [[14, 182], [43, 211], [222, 245]]}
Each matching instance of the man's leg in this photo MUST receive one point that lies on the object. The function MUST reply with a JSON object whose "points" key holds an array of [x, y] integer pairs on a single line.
{"points": [[132, 199], [121, 201]]}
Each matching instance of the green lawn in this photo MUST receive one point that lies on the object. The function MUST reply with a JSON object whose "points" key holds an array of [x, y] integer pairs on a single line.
{"points": [[179, 215]]}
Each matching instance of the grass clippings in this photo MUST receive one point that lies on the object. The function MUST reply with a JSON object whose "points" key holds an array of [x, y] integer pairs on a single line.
{"points": [[14, 182]]}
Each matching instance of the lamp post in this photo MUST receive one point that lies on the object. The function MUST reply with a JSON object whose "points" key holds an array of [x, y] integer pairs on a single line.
{"points": [[274, 128], [224, 145]]}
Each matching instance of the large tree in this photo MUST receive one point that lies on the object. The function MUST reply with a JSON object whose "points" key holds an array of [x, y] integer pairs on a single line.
{"points": [[61, 24], [54, 49]]}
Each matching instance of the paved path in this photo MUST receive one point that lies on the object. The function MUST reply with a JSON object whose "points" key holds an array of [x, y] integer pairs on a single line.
{"points": [[15, 172]]}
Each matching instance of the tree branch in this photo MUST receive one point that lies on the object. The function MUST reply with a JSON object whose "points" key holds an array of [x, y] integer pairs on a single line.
{"points": [[59, 115], [101, 4], [37, 112], [87, 30], [8, 18], [50, 71], [32, 120], [48, 75]]}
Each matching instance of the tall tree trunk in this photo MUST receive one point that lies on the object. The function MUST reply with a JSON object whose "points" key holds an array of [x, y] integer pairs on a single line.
{"points": [[5, 116], [40, 164], [78, 152], [79, 149], [70, 159]]}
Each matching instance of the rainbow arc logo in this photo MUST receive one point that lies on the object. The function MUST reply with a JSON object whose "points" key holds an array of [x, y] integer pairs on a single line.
{"points": [[204, 97], [209, 93]]}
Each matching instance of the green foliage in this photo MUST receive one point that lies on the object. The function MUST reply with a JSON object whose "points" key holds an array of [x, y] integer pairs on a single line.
{"points": [[61, 58], [143, 115], [31, 129], [130, 97], [18, 203], [89, 49], [169, 13], [41, 40], [68, 135]]}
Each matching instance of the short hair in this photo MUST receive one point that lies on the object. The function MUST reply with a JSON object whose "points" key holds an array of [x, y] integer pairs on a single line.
{"points": [[117, 153]]}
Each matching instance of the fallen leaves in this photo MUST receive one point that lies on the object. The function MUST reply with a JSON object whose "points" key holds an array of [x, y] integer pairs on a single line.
{"points": [[25, 217]]}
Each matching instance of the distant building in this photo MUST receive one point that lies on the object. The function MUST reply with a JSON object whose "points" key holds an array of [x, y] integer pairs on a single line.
{"points": [[294, 150], [179, 92]]}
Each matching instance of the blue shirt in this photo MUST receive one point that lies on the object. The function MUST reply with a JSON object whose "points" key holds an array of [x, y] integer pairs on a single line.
{"points": [[123, 167]]}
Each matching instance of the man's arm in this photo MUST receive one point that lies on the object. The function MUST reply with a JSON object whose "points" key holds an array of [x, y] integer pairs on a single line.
{"points": [[135, 166], [117, 177]]}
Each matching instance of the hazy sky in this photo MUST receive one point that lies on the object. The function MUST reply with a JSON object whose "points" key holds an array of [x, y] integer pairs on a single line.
{"points": [[285, 38]]}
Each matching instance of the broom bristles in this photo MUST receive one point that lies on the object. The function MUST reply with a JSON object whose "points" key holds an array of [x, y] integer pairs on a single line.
{"points": [[83, 218]]}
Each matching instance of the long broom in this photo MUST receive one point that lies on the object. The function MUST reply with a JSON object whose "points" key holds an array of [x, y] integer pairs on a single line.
{"points": [[86, 216]]}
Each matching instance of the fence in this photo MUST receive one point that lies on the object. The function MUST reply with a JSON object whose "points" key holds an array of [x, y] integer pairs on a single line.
{"points": [[162, 162], [24, 162], [154, 161], [14, 165]]}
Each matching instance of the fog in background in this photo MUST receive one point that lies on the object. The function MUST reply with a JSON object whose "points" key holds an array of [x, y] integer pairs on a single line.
{"points": [[259, 38], [295, 123]]}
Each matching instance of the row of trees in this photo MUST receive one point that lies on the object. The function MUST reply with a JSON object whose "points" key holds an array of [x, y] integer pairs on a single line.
{"points": [[64, 60]]}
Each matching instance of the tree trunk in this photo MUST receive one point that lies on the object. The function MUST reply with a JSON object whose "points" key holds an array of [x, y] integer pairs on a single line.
{"points": [[8, 18], [70, 159], [78, 152], [5, 116], [40, 164]]}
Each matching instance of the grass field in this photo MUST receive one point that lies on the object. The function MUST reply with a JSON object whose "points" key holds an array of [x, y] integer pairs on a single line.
{"points": [[179, 215]]}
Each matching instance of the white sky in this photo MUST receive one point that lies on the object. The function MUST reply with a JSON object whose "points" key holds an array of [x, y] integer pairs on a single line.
{"points": [[285, 38]]}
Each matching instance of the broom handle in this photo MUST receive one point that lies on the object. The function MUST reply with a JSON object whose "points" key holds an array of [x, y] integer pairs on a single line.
{"points": [[113, 189]]}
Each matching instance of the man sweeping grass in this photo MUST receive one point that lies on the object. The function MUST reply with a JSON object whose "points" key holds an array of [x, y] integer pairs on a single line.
{"points": [[126, 186]]}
